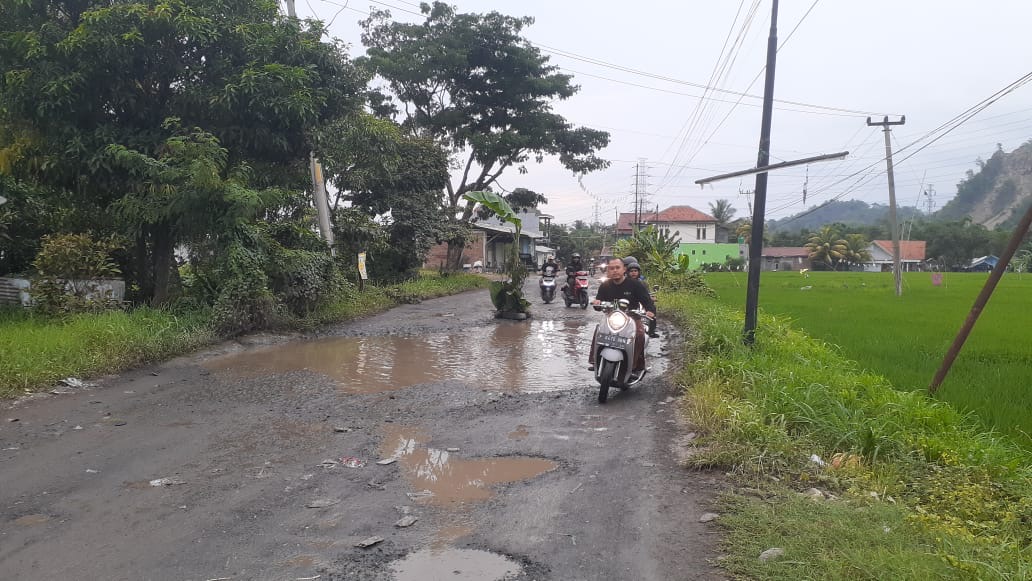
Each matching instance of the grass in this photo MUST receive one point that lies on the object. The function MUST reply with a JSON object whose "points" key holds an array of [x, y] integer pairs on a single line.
{"points": [[36, 351], [905, 338], [921, 491]]}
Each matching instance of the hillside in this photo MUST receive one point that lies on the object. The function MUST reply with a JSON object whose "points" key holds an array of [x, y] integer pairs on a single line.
{"points": [[998, 193], [853, 212]]}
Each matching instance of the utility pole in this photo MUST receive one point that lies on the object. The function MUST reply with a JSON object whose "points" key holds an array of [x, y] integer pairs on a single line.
{"points": [[894, 223], [319, 197], [752, 296]]}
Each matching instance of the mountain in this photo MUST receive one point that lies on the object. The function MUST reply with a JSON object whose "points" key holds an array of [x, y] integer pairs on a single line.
{"points": [[852, 212], [998, 194]]}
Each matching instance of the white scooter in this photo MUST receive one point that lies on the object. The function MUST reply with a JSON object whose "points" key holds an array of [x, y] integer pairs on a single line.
{"points": [[615, 340]]}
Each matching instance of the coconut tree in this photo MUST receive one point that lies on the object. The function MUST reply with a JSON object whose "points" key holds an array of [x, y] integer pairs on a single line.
{"points": [[722, 211], [857, 249], [826, 247]]}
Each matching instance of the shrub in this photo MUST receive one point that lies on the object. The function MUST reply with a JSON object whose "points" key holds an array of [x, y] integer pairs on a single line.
{"points": [[69, 267]]}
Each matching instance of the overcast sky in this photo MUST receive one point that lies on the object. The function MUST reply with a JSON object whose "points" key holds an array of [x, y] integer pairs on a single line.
{"points": [[927, 59]]}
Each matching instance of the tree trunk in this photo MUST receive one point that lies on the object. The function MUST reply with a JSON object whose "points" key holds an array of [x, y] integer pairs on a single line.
{"points": [[455, 250], [164, 262], [142, 266]]}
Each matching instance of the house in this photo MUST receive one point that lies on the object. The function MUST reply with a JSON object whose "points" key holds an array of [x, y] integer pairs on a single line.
{"points": [[791, 258], [982, 264], [688, 225], [492, 239], [911, 255]]}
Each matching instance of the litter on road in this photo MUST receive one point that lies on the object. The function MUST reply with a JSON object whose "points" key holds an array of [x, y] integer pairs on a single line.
{"points": [[365, 543], [406, 522], [322, 502], [387, 461], [352, 462], [166, 482]]}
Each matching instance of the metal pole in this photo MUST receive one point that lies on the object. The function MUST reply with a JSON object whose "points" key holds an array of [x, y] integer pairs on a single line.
{"points": [[894, 222], [752, 296], [980, 302]]}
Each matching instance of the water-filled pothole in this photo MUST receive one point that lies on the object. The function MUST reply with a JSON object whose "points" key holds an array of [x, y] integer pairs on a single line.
{"points": [[530, 357], [440, 477], [454, 565]]}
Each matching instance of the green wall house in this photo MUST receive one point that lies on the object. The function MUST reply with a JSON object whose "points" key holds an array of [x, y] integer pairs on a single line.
{"points": [[699, 254]]}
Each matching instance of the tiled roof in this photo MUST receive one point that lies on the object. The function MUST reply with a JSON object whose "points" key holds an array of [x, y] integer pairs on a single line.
{"points": [[908, 249], [684, 214], [785, 251]]}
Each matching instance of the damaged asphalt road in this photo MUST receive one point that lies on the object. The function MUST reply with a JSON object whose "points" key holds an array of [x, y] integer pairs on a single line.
{"points": [[456, 446]]}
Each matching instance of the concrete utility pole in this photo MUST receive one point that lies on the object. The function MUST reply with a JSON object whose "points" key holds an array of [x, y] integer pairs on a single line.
{"points": [[894, 223], [752, 294], [319, 197]]}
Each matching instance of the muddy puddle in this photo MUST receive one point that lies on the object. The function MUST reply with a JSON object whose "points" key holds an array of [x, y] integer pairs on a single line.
{"points": [[529, 357], [454, 565], [440, 477]]}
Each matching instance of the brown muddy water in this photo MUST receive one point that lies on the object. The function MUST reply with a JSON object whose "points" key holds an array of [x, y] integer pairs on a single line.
{"points": [[535, 356], [453, 565], [444, 478]]}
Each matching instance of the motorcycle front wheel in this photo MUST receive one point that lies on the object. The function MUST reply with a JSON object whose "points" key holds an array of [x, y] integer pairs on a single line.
{"points": [[605, 379], [584, 300]]}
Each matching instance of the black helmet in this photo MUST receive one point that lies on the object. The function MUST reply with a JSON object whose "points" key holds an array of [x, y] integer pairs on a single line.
{"points": [[631, 262]]}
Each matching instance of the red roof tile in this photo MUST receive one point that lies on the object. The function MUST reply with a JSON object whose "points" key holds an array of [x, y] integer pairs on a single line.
{"points": [[785, 251], [908, 249], [684, 214]]}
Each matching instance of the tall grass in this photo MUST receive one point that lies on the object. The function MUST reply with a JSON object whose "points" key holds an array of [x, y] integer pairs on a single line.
{"points": [[930, 494], [36, 351], [905, 338]]}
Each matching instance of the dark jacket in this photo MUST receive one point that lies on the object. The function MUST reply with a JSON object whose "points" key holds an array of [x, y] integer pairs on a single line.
{"points": [[555, 268], [635, 292]]}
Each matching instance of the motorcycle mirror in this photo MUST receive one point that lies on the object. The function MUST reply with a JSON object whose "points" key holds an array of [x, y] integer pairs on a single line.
{"points": [[624, 304]]}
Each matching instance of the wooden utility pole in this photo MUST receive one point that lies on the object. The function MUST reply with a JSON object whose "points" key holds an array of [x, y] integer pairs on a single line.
{"points": [[752, 295], [981, 301], [894, 222]]}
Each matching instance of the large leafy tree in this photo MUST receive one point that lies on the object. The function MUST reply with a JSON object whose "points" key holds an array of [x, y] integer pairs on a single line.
{"points": [[475, 85], [722, 211], [83, 75]]}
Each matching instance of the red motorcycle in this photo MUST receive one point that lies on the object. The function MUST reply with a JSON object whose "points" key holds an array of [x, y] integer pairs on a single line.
{"points": [[579, 293]]}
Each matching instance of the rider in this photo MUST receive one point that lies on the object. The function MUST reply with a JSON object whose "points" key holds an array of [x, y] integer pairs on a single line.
{"points": [[572, 269], [617, 286], [634, 273], [550, 263]]}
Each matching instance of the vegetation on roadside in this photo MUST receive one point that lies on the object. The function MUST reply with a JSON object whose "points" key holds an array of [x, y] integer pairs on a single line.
{"points": [[38, 350], [911, 488], [904, 339]]}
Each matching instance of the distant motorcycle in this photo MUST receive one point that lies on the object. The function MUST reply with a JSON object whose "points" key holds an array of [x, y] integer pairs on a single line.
{"points": [[615, 339], [547, 286], [579, 293]]}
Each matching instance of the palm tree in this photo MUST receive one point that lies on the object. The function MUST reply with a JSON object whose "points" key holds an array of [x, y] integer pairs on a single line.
{"points": [[826, 247], [857, 250], [722, 211]]}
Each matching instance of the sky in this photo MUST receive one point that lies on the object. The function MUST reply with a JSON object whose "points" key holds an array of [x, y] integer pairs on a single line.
{"points": [[929, 60]]}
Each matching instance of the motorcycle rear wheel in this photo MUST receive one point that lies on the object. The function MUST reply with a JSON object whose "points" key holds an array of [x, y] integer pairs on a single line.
{"points": [[584, 300], [605, 379]]}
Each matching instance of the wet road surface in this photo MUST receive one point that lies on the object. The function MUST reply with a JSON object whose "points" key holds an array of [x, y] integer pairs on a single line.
{"points": [[473, 447]]}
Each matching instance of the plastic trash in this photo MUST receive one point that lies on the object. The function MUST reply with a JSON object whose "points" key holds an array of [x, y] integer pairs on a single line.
{"points": [[352, 462]]}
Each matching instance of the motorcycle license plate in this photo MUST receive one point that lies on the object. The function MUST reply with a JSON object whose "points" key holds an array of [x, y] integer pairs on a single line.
{"points": [[610, 340]]}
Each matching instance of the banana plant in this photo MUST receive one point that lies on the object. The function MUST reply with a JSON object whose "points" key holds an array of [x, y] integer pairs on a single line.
{"points": [[507, 296]]}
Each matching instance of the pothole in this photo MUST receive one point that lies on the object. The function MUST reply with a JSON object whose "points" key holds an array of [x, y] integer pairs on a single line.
{"points": [[532, 357], [454, 565], [440, 477]]}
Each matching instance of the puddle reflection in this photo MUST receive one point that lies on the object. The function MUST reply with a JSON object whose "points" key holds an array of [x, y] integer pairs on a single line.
{"points": [[530, 357]]}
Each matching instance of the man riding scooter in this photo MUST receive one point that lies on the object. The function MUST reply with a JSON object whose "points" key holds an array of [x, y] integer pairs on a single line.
{"points": [[550, 264], [571, 271], [618, 286]]}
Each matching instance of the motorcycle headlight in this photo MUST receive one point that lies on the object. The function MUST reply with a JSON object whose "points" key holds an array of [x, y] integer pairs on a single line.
{"points": [[617, 320]]}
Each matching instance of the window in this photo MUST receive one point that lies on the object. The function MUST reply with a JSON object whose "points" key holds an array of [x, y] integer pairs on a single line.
{"points": [[700, 232], [704, 253], [693, 253]]}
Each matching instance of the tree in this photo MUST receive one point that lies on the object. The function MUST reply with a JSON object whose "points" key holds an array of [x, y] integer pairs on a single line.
{"points": [[83, 75], [857, 250], [826, 247], [722, 211], [507, 296], [651, 247], [474, 85], [520, 200]]}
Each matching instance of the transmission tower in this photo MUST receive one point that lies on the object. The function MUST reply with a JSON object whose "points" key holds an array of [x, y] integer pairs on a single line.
{"points": [[641, 191], [929, 202]]}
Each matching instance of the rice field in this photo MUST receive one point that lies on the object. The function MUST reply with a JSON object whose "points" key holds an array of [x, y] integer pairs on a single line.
{"points": [[905, 338]]}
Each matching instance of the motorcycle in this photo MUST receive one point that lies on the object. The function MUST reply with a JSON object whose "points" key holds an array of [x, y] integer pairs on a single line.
{"points": [[579, 293], [547, 286], [615, 340]]}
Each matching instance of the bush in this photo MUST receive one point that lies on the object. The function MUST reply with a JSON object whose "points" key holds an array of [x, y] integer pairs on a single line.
{"points": [[69, 267]]}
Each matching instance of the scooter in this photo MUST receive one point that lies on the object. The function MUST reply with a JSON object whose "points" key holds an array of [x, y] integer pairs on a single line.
{"points": [[547, 286], [579, 293], [615, 339]]}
